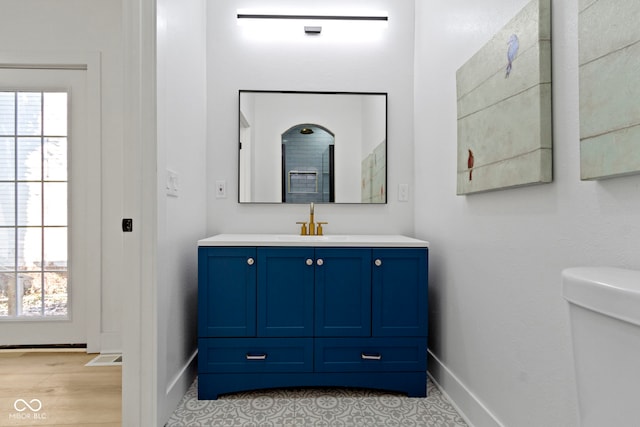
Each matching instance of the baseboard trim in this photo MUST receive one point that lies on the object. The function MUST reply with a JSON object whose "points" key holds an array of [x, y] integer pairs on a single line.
{"points": [[180, 383], [470, 408]]}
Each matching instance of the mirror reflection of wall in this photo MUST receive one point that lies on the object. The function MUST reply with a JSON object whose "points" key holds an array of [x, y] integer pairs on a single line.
{"points": [[357, 122]]}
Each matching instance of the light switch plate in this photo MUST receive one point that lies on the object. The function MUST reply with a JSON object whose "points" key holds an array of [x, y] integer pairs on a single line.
{"points": [[172, 183]]}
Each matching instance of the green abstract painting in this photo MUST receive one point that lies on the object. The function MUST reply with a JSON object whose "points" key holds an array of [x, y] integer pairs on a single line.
{"points": [[609, 58], [504, 106]]}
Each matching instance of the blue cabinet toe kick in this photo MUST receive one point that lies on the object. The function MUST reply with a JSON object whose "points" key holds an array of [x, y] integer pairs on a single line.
{"points": [[210, 386]]}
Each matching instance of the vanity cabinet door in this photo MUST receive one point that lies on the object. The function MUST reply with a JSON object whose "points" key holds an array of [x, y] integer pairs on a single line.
{"points": [[343, 292], [226, 292], [285, 291], [399, 281]]}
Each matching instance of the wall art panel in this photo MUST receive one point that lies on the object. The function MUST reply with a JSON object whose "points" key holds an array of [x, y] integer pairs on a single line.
{"points": [[504, 106], [609, 58]]}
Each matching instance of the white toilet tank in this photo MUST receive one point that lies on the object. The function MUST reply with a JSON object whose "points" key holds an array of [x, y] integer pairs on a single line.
{"points": [[604, 309]]}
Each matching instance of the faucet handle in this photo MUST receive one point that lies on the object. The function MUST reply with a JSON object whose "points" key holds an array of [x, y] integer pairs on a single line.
{"points": [[320, 223], [303, 228]]}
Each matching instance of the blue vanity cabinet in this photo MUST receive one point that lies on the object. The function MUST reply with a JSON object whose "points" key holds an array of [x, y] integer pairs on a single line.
{"points": [[294, 316]]}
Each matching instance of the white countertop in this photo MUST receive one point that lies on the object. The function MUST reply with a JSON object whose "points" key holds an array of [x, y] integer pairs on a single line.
{"points": [[333, 240]]}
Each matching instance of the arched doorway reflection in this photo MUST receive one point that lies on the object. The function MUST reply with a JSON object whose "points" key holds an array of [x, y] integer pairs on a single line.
{"points": [[308, 164]]}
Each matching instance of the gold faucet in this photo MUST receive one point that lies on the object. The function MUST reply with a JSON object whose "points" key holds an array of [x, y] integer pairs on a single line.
{"points": [[311, 229]]}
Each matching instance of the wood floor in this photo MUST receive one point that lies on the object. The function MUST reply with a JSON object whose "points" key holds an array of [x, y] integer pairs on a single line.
{"points": [[56, 389]]}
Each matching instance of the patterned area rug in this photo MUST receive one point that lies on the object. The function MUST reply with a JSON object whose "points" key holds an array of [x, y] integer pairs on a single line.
{"points": [[325, 407]]}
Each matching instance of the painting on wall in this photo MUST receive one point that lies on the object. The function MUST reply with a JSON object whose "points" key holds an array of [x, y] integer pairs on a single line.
{"points": [[609, 61], [504, 106], [374, 175]]}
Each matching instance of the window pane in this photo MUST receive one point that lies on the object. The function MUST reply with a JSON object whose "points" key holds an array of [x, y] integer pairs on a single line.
{"points": [[7, 159], [7, 286], [7, 113], [55, 159], [55, 294], [55, 203], [29, 249], [55, 248], [29, 113], [31, 286], [29, 204], [29, 159], [55, 114], [7, 250], [7, 204]]}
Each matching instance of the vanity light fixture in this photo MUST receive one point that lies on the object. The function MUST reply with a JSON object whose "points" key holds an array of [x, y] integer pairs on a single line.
{"points": [[314, 17], [313, 23]]}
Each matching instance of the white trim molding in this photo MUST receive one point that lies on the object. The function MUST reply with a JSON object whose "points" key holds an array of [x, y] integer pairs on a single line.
{"points": [[468, 405], [139, 334]]}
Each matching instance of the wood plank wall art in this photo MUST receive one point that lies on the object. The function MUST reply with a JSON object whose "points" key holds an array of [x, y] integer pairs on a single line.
{"points": [[609, 60], [504, 106]]}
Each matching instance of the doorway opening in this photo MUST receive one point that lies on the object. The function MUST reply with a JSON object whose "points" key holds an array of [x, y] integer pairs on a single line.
{"points": [[308, 164]]}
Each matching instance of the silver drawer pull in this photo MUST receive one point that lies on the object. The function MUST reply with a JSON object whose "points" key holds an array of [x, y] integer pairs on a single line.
{"points": [[256, 356], [320, 261], [250, 261], [309, 261], [370, 356], [378, 262]]}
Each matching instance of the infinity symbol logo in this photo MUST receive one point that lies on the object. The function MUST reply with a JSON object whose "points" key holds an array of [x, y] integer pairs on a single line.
{"points": [[22, 405]]}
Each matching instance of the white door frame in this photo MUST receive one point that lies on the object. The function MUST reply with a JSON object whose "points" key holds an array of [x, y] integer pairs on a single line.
{"points": [[91, 273], [140, 317]]}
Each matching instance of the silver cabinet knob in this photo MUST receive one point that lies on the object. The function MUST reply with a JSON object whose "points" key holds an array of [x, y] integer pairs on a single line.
{"points": [[309, 261], [378, 262], [250, 261], [320, 261]]}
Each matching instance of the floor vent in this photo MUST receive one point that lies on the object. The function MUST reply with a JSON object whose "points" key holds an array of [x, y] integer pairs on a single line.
{"points": [[106, 360]]}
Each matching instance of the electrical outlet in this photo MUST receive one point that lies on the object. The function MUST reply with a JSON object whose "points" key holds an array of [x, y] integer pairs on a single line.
{"points": [[403, 192], [221, 189]]}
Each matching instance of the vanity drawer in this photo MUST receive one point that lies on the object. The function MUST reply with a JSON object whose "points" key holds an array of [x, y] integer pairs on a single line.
{"points": [[242, 355], [371, 354]]}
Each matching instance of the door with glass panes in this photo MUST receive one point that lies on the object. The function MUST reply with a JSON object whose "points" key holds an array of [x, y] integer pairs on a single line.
{"points": [[43, 257]]}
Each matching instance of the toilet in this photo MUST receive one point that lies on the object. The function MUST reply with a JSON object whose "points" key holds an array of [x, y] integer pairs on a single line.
{"points": [[604, 310]]}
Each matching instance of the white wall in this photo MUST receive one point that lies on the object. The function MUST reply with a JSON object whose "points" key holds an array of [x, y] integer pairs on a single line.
{"points": [[181, 147], [498, 322], [307, 64], [85, 26]]}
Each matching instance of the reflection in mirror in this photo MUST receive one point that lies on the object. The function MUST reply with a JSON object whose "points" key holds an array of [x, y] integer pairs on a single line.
{"points": [[308, 164], [321, 147]]}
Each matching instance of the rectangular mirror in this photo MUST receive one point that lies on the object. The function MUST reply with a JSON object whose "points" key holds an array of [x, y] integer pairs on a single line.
{"points": [[321, 147]]}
